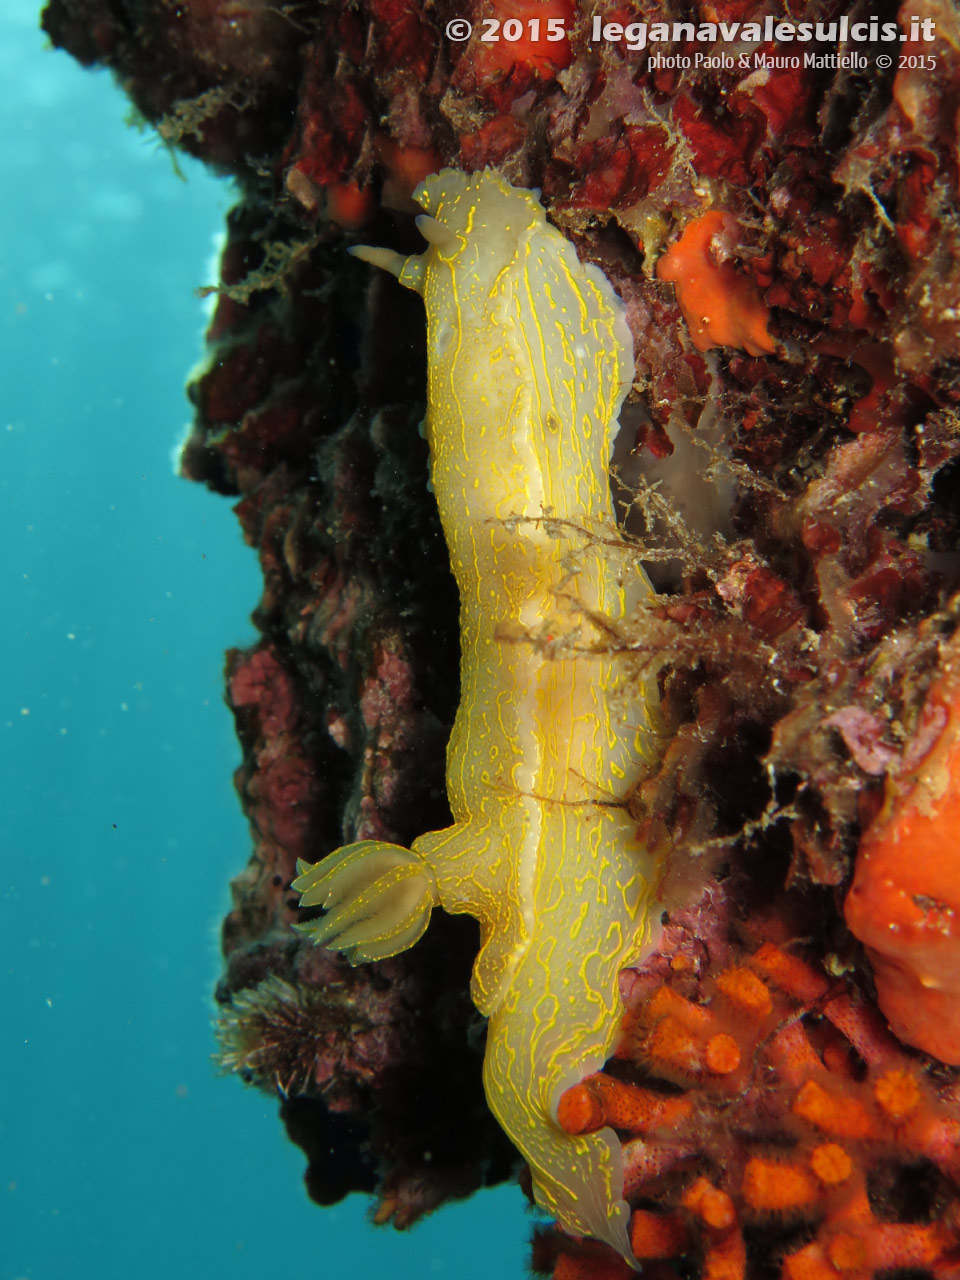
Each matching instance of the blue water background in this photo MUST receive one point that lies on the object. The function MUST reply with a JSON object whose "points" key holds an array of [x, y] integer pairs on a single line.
{"points": [[122, 1154]]}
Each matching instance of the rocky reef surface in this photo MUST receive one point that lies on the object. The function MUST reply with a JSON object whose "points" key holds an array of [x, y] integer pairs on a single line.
{"points": [[784, 233]]}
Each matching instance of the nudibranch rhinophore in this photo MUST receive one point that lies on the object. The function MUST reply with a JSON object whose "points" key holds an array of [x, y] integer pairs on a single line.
{"points": [[529, 359]]}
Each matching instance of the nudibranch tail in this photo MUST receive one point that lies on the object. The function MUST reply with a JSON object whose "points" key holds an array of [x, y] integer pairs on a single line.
{"points": [[529, 359], [579, 1180]]}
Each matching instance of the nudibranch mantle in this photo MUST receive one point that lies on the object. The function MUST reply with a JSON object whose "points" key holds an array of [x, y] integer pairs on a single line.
{"points": [[529, 359]]}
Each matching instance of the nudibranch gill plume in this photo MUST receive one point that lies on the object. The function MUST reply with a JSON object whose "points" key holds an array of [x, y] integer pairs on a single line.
{"points": [[529, 360]]}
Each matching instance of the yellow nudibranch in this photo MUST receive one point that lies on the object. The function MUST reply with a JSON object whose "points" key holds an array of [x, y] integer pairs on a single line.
{"points": [[529, 359]]}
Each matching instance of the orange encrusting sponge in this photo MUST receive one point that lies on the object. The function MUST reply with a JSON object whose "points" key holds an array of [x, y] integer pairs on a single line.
{"points": [[904, 903], [720, 303]]}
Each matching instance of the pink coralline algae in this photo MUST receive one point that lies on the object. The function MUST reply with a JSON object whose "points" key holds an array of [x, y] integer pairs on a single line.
{"points": [[785, 237]]}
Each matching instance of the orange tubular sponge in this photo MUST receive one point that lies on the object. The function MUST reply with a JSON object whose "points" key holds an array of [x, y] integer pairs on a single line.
{"points": [[721, 305], [657, 1235], [774, 1186], [580, 1111], [904, 903]]}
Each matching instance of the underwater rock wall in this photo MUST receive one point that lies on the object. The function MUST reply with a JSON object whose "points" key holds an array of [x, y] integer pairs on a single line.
{"points": [[785, 240]]}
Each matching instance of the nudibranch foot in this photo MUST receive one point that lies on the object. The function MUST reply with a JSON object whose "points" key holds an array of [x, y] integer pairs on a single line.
{"points": [[378, 898]]}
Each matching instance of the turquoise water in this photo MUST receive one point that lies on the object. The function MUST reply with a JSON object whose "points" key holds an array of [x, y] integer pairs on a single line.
{"points": [[122, 1153]]}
